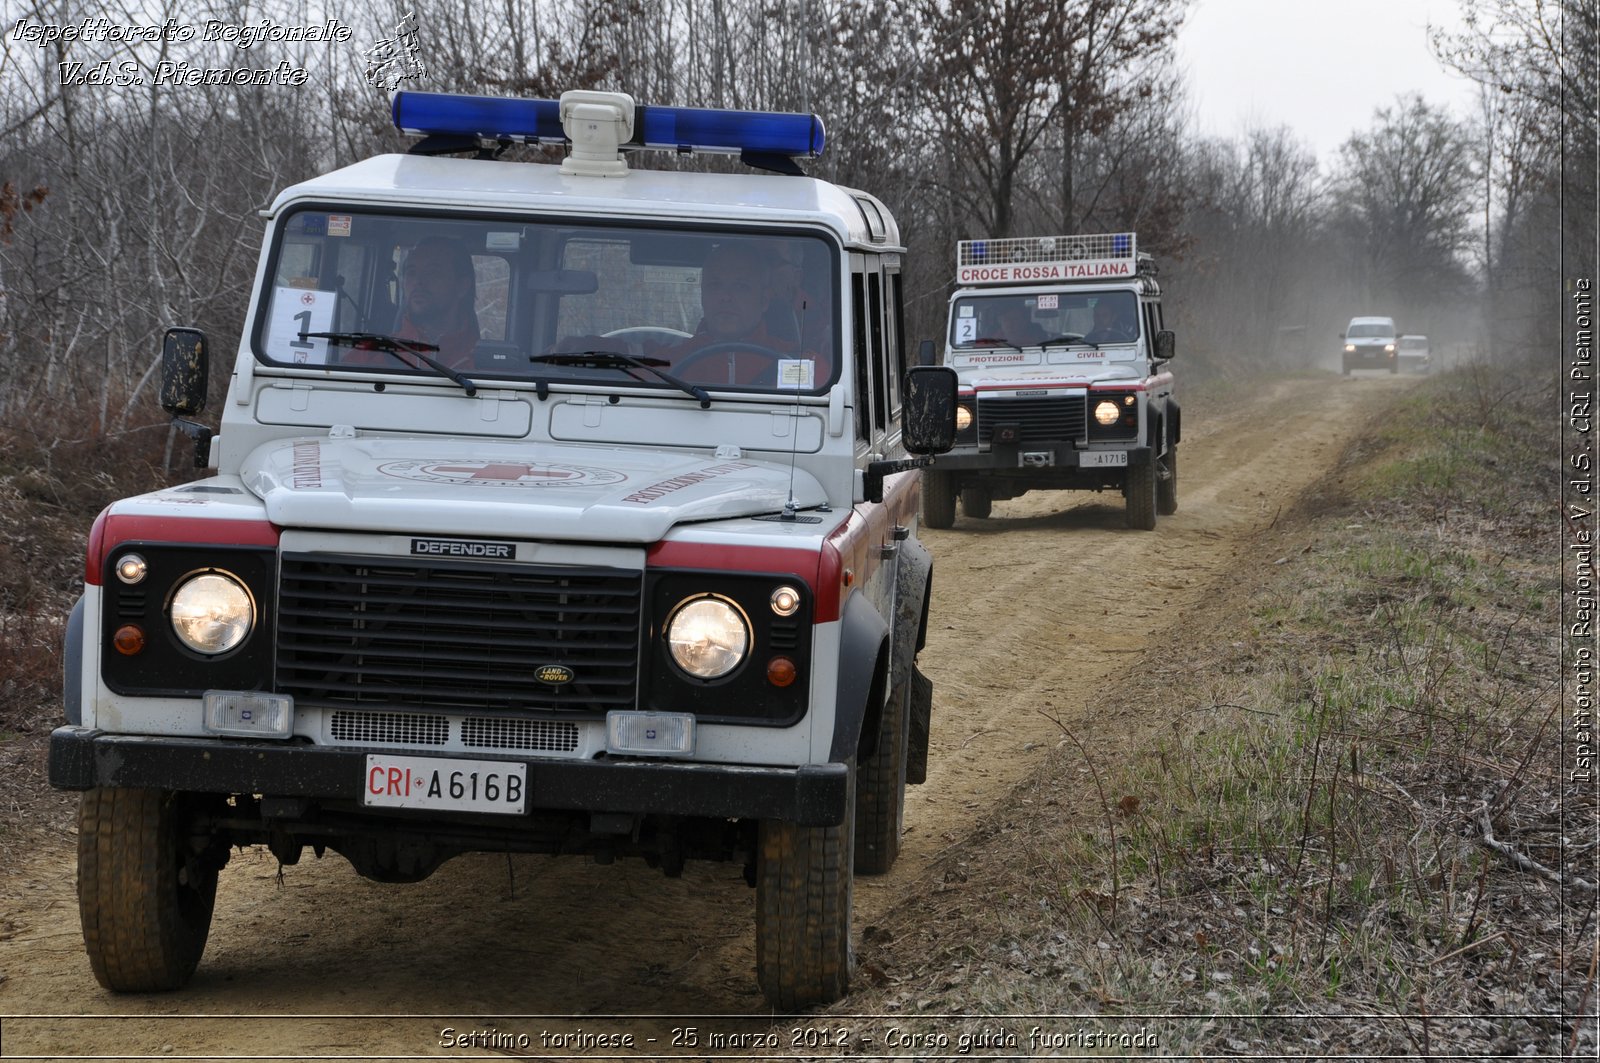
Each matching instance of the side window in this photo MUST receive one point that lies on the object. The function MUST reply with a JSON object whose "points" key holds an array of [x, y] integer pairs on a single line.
{"points": [[880, 389], [897, 341], [863, 353]]}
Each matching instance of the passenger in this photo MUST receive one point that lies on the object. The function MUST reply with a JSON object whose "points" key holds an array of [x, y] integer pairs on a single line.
{"points": [[1018, 327], [438, 295]]}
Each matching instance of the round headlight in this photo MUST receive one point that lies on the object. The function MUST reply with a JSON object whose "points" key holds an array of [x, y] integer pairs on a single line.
{"points": [[707, 637], [963, 418], [212, 613], [1388, 348], [1105, 411], [1349, 348]]}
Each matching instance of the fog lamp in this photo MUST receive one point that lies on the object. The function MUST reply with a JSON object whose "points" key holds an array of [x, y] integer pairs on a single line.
{"points": [[248, 714], [661, 734]]}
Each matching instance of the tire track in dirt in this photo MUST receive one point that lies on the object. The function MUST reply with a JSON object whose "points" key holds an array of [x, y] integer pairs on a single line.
{"points": [[1035, 609]]}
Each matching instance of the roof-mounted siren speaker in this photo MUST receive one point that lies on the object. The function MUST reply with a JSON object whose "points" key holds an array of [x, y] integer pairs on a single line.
{"points": [[597, 124]]}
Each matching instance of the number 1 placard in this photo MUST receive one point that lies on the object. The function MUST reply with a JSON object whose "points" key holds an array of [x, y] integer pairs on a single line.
{"points": [[297, 310]]}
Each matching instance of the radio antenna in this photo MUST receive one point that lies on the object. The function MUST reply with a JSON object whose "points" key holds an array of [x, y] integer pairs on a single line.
{"points": [[794, 423]]}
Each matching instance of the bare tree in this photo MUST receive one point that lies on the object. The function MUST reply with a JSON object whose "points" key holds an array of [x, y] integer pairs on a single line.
{"points": [[1404, 192]]}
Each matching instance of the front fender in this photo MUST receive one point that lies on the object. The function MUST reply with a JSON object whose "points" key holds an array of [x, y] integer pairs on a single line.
{"points": [[915, 580], [863, 640], [72, 665]]}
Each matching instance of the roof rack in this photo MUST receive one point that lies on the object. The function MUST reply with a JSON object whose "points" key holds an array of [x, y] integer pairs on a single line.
{"points": [[1032, 259]]}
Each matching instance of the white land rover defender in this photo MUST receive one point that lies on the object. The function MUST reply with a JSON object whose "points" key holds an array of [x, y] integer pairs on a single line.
{"points": [[545, 517], [1062, 354]]}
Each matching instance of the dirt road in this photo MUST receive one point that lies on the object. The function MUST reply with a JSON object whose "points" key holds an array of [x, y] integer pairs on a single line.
{"points": [[1033, 609]]}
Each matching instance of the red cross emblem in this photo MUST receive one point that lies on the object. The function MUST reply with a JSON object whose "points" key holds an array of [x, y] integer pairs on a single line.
{"points": [[505, 471]]}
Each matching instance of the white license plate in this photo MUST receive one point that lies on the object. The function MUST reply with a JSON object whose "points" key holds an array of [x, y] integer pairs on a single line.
{"points": [[447, 785], [1101, 458]]}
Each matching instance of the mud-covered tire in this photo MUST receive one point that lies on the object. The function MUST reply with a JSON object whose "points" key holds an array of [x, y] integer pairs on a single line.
{"points": [[938, 499], [881, 788], [1140, 486], [1167, 486], [803, 879], [976, 502], [144, 896]]}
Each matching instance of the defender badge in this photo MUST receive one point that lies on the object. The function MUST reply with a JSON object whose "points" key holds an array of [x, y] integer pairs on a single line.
{"points": [[554, 675]]}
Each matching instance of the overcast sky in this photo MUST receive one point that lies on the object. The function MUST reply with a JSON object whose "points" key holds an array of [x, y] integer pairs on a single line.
{"points": [[1318, 67]]}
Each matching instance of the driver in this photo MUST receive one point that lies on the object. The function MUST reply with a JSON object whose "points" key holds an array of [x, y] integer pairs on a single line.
{"points": [[735, 292], [1108, 325]]}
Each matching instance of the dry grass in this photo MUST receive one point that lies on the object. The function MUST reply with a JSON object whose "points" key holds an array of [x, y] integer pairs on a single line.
{"points": [[1291, 849], [50, 491]]}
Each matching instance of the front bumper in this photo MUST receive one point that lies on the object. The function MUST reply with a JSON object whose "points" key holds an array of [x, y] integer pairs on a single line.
{"points": [[810, 795], [1368, 358], [1010, 457]]}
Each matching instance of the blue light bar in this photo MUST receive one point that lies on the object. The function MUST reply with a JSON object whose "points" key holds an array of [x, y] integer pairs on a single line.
{"points": [[485, 117], [666, 128], [702, 129]]}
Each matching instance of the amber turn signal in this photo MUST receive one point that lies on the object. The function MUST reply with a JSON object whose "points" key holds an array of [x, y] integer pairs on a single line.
{"points": [[780, 671], [129, 639]]}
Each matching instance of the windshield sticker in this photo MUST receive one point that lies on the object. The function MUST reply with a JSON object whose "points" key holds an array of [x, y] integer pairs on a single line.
{"points": [[966, 311], [1049, 302], [796, 373], [501, 241], [294, 311], [338, 225], [966, 329], [688, 479], [472, 473]]}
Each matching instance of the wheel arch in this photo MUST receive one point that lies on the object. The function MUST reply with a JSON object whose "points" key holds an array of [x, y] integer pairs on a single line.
{"points": [[72, 665], [864, 666]]}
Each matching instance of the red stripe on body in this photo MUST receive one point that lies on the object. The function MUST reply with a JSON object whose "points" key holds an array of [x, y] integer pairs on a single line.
{"points": [[111, 531]]}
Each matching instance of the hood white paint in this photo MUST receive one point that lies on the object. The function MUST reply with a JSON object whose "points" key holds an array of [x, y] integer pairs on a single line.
{"points": [[1068, 375], [492, 488]]}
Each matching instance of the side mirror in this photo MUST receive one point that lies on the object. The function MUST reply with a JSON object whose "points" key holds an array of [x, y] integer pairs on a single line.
{"points": [[1166, 344], [928, 415], [925, 353], [184, 375], [184, 372]]}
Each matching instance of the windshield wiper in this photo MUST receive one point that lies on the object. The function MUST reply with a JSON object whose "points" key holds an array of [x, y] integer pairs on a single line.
{"points": [[992, 341], [1071, 337], [373, 341], [612, 360]]}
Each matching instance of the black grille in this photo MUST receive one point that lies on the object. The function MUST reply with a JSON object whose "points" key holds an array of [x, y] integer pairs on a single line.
{"points": [[1051, 420], [375, 632]]}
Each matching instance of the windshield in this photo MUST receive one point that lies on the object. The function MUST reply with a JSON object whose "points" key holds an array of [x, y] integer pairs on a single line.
{"points": [[1032, 320], [484, 296], [1368, 331]]}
